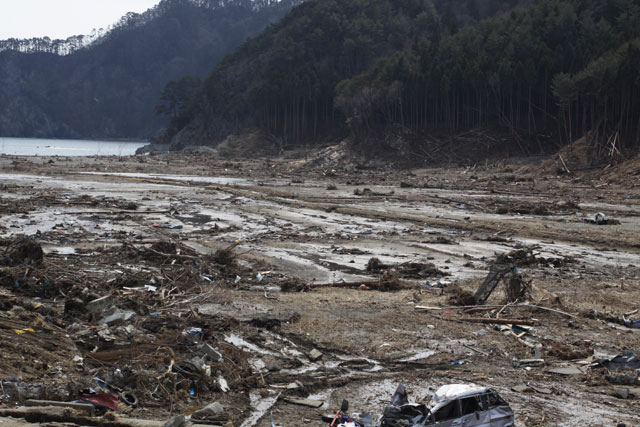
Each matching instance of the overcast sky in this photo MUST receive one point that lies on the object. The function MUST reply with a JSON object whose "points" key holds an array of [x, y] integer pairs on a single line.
{"points": [[60, 19]]}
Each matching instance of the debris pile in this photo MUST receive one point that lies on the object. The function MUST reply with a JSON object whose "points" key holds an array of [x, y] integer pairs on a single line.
{"points": [[118, 329]]}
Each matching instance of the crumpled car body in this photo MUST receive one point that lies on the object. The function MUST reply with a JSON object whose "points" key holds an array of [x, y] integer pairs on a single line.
{"points": [[452, 405]]}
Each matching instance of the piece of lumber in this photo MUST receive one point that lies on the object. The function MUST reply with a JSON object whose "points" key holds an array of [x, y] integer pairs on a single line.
{"points": [[84, 407], [304, 402], [498, 321], [564, 164], [464, 307], [521, 341], [179, 256], [475, 349], [118, 212], [343, 284]]}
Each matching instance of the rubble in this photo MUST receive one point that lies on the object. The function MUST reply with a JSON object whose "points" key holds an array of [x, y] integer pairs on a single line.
{"points": [[192, 318]]}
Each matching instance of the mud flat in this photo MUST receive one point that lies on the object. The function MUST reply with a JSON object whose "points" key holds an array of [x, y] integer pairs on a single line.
{"points": [[267, 257]]}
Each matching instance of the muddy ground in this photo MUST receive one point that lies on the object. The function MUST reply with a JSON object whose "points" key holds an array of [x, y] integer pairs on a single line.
{"points": [[267, 258]]}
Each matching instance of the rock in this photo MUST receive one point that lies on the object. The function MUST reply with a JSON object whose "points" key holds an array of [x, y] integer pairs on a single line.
{"points": [[212, 410], [314, 355], [153, 148], [178, 421], [621, 379], [522, 388], [622, 393], [273, 364]]}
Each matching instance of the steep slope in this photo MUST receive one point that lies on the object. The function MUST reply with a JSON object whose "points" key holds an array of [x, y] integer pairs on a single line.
{"points": [[545, 75], [109, 88], [403, 70], [283, 81]]}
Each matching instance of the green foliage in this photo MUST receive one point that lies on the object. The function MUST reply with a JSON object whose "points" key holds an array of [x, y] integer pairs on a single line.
{"points": [[562, 68], [283, 82], [179, 98], [565, 67]]}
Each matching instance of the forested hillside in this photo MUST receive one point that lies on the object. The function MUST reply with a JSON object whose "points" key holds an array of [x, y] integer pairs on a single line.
{"points": [[109, 89], [543, 74], [283, 82], [548, 74]]}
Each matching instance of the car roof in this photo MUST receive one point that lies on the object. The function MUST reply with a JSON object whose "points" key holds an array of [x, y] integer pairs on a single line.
{"points": [[456, 391]]}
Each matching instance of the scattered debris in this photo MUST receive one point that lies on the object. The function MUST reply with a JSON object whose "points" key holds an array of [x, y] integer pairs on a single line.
{"points": [[498, 321], [304, 402], [169, 319], [212, 412], [619, 362], [601, 219], [83, 407], [527, 363], [481, 404], [570, 370], [22, 252]]}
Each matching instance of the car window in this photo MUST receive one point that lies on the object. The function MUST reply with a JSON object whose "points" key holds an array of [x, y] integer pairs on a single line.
{"points": [[470, 405], [493, 399], [447, 412]]}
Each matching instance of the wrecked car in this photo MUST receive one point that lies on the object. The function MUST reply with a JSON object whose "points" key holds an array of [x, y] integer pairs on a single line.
{"points": [[451, 405]]}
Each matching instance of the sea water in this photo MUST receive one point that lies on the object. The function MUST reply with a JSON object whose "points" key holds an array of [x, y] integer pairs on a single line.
{"points": [[66, 147]]}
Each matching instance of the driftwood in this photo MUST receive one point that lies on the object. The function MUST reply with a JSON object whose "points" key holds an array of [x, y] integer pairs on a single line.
{"points": [[343, 284], [464, 307], [179, 256], [498, 321], [564, 164], [119, 212], [84, 407], [475, 349], [446, 199]]}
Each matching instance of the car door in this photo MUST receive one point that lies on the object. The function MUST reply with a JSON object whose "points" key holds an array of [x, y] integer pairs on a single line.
{"points": [[499, 412], [472, 413], [447, 415]]}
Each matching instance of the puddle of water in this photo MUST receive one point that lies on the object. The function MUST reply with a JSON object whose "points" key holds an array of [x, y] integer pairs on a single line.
{"points": [[196, 219], [260, 407], [241, 343], [20, 177], [191, 178], [420, 355], [60, 250]]}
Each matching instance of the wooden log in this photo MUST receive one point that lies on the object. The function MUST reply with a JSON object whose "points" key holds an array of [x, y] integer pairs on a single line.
{"points": [[343, 284], [498, 321], [118, 212], [84, 407], [564, 164], [304, 402], [464, 307]]}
